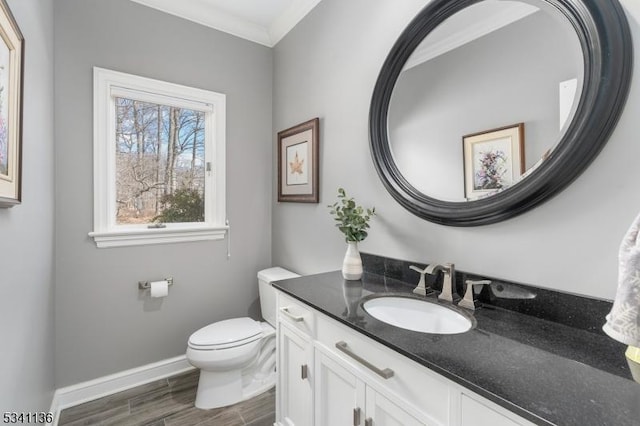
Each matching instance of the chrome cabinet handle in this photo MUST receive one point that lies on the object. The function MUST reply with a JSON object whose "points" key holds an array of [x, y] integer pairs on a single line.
{"points": [[304, 371], [356, 417], [292, 317], [368, 421], [385, 373]]}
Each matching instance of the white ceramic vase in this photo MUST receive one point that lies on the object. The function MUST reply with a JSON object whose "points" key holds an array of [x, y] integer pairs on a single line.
{"points": [[352, 264]]}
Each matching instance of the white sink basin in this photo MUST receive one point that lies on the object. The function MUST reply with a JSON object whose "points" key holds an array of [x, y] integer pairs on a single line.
{"points": [[417, 315]]}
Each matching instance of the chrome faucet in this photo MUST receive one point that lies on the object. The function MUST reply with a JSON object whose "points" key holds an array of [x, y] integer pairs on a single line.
{"points": [[448, 280]]}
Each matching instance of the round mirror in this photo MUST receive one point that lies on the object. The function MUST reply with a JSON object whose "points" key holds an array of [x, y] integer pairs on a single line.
{"points": [[485, 109], [483, 71]]}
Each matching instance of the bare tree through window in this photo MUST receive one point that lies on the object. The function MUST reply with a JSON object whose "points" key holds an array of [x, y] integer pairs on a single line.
{"points": [[160, 163]]}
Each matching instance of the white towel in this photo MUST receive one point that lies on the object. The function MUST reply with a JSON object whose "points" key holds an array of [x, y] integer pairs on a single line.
{"points": [[623, 322]]}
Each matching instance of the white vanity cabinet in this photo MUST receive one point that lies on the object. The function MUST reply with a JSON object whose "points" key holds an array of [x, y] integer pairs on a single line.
{"points": [[329, 374], [339, 397], [342, 397], [294, 364]]}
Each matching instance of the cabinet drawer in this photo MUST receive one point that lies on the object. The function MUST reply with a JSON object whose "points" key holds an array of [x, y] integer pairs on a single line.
{"points": [[296, 314], [475, 414], [477, 411], [410, 382]]}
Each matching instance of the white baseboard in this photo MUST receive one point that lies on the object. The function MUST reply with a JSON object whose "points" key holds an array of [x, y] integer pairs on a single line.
{"points": [[93, 389]]}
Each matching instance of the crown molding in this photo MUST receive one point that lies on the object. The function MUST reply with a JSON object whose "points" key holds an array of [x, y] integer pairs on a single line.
{"points": [[205, 13], [289, 19], [509, 15]]}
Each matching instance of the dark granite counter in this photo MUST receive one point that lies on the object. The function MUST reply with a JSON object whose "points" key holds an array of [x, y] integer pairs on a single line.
{"points": [[547, 372]]}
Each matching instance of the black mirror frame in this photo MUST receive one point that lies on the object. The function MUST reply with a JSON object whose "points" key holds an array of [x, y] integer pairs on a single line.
{"points": [[605, 37]]}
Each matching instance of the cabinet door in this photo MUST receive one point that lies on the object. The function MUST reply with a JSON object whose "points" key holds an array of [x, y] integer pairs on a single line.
{"points": [[383, 412], [295, 389], [339, 394]]}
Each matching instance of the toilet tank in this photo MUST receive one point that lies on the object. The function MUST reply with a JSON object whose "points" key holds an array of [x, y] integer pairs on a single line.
{"points": [[268, 293]]}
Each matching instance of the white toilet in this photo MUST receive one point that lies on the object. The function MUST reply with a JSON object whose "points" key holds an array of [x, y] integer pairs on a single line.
{"points": [[237, 357]]}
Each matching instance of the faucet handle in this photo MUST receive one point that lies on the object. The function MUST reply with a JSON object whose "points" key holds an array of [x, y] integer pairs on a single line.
{"points": [[421, 288], [468, 300]]}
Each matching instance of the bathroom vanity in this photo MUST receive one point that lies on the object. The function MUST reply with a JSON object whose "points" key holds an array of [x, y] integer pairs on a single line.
{"points": [[338, 365], [532, 356]]}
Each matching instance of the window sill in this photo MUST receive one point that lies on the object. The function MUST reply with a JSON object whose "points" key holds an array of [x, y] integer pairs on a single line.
{"points": [[143, 237]]}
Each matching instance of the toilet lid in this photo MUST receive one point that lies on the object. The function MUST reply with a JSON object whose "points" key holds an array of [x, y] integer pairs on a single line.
{"points": [[222, 333]]}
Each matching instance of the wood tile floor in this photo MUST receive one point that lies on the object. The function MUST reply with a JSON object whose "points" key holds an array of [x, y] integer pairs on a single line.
{"points": [[169, 402]]}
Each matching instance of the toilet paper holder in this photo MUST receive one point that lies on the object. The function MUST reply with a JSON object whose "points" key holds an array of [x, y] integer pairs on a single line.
{"points": [[145, 285]]}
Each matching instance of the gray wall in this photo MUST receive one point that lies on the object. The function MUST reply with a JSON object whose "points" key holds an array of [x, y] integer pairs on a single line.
{"points": [[570, 243], [103, 323], [506, 77], [27, 230]]}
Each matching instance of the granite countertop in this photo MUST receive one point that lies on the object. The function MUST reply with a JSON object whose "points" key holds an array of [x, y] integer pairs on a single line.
{"points": [[544, 371]]}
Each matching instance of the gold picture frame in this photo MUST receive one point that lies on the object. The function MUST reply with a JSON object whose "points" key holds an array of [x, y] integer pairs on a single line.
{"points": [[493, 160], [298, 163], [11, 87]]}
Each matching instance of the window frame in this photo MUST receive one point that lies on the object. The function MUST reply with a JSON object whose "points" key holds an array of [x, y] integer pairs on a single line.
{"points": [[107, 85]]}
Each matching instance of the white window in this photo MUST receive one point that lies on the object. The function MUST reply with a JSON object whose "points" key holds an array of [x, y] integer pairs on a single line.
{"points": [[159, 158]]}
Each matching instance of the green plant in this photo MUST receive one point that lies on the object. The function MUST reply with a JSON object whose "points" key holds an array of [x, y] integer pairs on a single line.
{"points": [[352, 220], [184, 205]]}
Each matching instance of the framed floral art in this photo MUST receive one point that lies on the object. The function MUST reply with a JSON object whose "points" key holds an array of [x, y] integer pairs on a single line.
{"points": [[298, 162], [11, 76], [493, 160]]}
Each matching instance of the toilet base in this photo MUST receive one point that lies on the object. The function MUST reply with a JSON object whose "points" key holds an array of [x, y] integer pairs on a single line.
{"points": [[231, 375], [219, 389]]}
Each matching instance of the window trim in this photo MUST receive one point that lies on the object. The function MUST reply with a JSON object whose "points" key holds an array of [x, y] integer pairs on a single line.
{"points": [[107, 83]]}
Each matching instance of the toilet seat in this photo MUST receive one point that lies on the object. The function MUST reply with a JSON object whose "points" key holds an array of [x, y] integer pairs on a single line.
{"points": [[226, 334]]}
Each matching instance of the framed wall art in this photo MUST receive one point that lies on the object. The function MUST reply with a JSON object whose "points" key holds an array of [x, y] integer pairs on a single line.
{"points": [[298, 163], [11, 80], [493, 160]]}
